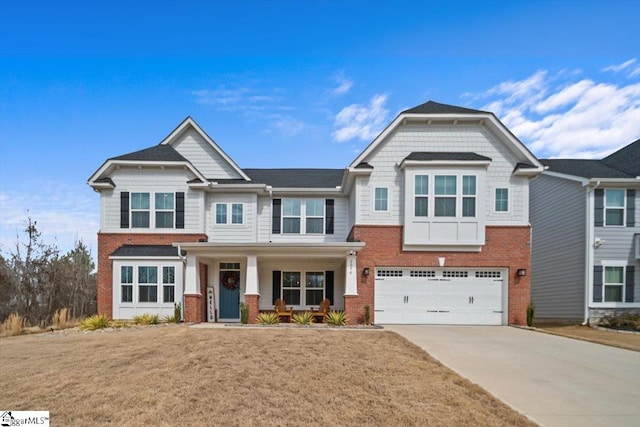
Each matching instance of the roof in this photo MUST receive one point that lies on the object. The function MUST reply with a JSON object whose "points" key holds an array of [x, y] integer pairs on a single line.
{"points": [[157, 153], [431, 107], [146, 251], [297, 178], [446, 156], [624, 163]]}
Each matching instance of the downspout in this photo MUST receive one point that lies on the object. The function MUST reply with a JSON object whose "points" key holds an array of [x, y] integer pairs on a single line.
{"points": [[270, 190], [589, 252], [184, 284]]}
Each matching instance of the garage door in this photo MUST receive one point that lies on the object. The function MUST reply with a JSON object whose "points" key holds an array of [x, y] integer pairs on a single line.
{"points": [[440, 296]]}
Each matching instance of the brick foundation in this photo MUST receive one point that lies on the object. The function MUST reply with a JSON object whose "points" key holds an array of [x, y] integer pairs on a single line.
{"points": [[109, 242], [193, 308], [505, 247], [253, 303]]}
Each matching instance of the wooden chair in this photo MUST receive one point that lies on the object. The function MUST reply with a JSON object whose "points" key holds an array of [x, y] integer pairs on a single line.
{"points": [[322, 310], [282, 311]]}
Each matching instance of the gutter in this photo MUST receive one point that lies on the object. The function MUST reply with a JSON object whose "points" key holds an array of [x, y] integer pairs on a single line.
{"points": [[589, 252]]}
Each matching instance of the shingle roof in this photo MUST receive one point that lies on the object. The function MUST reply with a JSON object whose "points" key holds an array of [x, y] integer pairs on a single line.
{"points": [[158, 153], [626, 159], [297, 178], [431, 107], [438, 155], [146, 251]]}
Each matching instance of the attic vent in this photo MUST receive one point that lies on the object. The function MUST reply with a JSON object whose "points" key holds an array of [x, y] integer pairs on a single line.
{"points": [[455, 274], [488, 274], [389, 273], [422, 273]]}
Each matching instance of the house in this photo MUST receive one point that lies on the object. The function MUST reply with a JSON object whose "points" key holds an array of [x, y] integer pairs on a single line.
{"points": [[429, 224], [586, 244]]}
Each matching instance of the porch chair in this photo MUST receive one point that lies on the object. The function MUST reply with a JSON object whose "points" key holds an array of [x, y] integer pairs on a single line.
{"points": [[282, 310], [322, 310]]}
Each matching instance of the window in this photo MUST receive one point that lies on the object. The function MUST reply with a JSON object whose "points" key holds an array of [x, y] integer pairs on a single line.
{"points": [[164, 210], [613, 284], [148, 284], [140, 210], [614, 206], [221, 213], [291, 287], [314, 216], [291, 215], [236, 213], [168, 284], [468, 196], [314, 292], [381, 199], [445, 192], [421, 195], [502, 200], [126, 283]]}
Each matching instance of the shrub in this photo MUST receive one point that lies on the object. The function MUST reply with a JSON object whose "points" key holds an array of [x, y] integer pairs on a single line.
{"points": [[367, 315], [120, 324], [531, 311], [269, 318], [305, 318], [146, 319], [336, 318], [61, 319], [12, 325], [97, 321], [244, 313], [176, 316]]}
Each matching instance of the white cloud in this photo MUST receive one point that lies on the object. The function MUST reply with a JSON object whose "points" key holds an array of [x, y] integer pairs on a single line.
{"points": [[619, 67], [285, 125], [343, 85], [560, 115], [240, 98], [361, 121]]}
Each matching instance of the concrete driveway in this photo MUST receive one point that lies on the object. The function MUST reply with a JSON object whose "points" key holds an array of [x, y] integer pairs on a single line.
{"points": [[554, 381]]}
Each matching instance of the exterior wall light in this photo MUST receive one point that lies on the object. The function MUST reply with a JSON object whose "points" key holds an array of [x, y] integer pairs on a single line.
{"points": [[522, 272], [365, 271]]}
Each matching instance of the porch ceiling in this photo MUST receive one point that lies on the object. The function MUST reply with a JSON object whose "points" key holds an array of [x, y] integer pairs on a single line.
{"points": [[338, 250]]}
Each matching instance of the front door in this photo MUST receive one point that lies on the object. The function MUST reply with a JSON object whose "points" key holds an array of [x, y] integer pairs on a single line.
{"points": [[229, 294]]}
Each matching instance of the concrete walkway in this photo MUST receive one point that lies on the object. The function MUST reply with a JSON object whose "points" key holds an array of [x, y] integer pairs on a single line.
{"points": [[554, 381]]}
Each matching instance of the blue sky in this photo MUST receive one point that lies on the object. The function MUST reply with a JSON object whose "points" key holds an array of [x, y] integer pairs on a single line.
{"points": [[290, 84]]}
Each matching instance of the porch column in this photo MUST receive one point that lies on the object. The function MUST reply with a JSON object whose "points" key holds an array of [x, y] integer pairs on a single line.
{"points": [[351, 275], [252, 292], [192, 295]]}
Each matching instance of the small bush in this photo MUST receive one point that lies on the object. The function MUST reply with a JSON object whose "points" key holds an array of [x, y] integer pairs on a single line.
{"points": [[146, 319], [367, 315], [244, 313], [176, 316], [12, 325], [269, 318], [61, 319], [305, 318], [531, 311], [120, 324], [97, 321], [336, 318]]}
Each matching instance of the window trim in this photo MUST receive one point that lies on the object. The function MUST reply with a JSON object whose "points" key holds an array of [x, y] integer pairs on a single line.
{"points": [[228, 213], [386, 200], [623, 267], [432, 197], [623, 207], [495, 199], [172, 210], [303, 286], [323, 217], [303, 216], [152, 210], [133, 210]]}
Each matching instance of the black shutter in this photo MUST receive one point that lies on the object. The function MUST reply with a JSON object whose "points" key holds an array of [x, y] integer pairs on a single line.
{"points": [[180, 210], [599, 210], [275, 286], [597, 283], [329, 209], [328, 282], [124, 209], [631, 208], [629, 283], [275, 216]]}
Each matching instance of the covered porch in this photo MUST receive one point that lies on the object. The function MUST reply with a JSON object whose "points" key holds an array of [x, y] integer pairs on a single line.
{"points": [[218, 277]]}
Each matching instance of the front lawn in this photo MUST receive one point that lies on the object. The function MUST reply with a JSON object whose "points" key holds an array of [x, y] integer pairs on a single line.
{"points": [[175, 375], [601, 336]]}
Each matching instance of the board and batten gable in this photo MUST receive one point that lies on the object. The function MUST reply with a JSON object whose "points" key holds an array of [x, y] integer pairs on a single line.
{"points": [[558, 208], [193, 146], [151, 180]]}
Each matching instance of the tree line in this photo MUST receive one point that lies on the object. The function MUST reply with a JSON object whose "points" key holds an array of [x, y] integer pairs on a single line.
{"points": [[36, 280]]}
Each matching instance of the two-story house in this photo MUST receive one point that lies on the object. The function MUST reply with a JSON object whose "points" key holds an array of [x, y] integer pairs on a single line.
{"points": [[429, 224], [586, 237]]}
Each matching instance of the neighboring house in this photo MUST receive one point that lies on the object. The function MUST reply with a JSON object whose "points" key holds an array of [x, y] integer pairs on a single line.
{"points": [[429, 224], [586, 244]]}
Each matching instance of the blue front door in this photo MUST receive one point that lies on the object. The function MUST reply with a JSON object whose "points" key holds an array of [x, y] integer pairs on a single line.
{"points": [[229, 294]]}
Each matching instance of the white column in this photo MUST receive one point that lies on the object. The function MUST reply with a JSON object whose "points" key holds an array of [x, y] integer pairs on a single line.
{"points": [[192, 276], [251, 287], [351, 275]]}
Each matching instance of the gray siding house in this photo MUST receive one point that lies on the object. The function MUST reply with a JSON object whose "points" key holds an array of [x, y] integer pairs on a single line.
{"points": [[586, 237]]}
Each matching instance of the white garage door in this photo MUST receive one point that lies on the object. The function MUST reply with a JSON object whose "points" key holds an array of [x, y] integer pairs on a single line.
{"points": [[440, 296]]}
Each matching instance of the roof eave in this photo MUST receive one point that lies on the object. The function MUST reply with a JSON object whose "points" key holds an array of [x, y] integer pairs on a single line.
{"points": [[417, 163]]}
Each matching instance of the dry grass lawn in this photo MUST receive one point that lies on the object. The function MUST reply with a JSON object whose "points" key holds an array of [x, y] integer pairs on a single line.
{"points": [[175, 375], [586, 333]]}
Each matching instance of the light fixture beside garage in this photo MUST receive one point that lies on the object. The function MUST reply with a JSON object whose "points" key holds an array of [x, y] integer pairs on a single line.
{"points": [[365, 271], [522, 272]]}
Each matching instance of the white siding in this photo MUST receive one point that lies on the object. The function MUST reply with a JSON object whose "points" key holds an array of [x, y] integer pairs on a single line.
{"points": [[458, 138], [340, 228], [203, 156], [231, 233], [151, 180]]}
